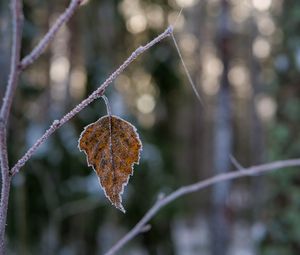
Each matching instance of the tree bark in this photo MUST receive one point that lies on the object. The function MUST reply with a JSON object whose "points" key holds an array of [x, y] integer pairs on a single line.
{"points": [[222, 142]]}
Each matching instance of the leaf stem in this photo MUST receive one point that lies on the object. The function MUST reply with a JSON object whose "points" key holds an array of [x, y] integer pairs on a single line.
{"points": [[96, 94], [108, 110]]}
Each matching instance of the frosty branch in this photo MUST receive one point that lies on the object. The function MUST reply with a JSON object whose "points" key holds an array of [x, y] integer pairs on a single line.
{"points": [[96, 94], [164, 201], [16, 67], [40, 48], [17, 20]]}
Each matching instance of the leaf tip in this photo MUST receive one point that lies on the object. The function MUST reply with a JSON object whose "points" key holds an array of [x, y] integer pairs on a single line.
{"points": [[121, 208], [112, 147]]}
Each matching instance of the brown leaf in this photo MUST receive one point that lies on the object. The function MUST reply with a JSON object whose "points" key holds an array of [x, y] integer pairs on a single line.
{"points": [[112, 146]]}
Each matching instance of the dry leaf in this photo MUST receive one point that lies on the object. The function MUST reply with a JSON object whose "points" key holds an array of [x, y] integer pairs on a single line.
{"points": [[112, 146]]}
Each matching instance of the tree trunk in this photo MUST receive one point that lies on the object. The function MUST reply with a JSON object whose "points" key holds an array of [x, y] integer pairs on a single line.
{"points": [[222, 143]]}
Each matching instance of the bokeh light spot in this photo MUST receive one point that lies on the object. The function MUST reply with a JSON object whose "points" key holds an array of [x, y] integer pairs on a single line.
{"points": [[146, 103], [261, 48], [136, 24]]}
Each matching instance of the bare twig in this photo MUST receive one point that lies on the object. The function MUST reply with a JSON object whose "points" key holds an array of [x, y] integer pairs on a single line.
{"points": [[16, 67], [96, 94], [6, 180], [236, 163], [17, 20], [187, 73], [139, 227], [40, 48]]}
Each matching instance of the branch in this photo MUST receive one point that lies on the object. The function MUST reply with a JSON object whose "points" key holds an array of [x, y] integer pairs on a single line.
{"points": [[139, 227], [6, 180], [17, 20], [40, 48], [96, 94]]}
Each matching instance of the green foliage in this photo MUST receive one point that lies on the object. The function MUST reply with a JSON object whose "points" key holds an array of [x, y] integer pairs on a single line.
{"points": [[282, 208]]}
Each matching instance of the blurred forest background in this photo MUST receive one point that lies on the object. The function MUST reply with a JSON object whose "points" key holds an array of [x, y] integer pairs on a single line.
{"points": [[244, 56]]}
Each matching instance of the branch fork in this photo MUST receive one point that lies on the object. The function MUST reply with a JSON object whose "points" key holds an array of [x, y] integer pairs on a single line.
{"points": [[17, 66]]}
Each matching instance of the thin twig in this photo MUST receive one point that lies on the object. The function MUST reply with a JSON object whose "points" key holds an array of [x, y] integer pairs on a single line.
{"points": [[236, 163], [96, 94], [6, 180], [260, 169], [40, 48], [186, 70], [177, 18], [16, 67], [17, 20]]}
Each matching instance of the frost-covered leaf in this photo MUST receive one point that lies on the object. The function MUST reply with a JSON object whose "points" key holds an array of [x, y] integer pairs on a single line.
{"points": [[112, 147]]}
